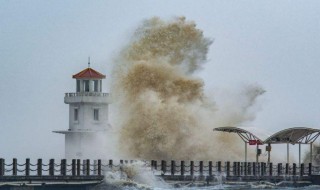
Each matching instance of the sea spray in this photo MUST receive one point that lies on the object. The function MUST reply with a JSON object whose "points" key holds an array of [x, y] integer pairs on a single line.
{"points": [[136, 175], [163, 112]]}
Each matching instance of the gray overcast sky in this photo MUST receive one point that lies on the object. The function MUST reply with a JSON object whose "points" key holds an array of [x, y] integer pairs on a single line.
{"points": [[275, 44]]}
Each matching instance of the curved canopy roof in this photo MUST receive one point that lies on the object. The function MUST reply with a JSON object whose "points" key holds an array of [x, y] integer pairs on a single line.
{"points": [[296, 135], [301, 135], [244, 134]]}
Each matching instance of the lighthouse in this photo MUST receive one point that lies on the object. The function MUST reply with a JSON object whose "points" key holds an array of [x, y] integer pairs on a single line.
{"points": [[88, 117]]}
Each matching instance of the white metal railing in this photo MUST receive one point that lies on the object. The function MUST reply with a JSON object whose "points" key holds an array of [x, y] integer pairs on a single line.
{"points": [[75, 94]]}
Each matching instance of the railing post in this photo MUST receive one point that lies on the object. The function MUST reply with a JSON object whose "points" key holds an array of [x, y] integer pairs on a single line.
{"points": [[238, 167], [279, 169], [294, 169], [84, 167], [262, 169], [27, 167], [245, 168], [39, 167], [219, 166], [228, 168], [51, 167], [2, 167], [163, 167], [287, 168], [191, 168], [265, 168], [210, 168], [99, 167], [173, 167], [63, 167], [14, 167], [121, 166], [270, 169], [302, 169], [201, 168], [95, 167], [254, 168], [110, 164], [78, 167], [74, 167], [182, 168], [249, 168], [88, 167], [241, 168], [155, 164], [234, 168], [310, 169]]}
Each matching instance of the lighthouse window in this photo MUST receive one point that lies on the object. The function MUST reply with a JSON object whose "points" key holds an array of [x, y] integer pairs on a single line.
{"points": [[76, 114], [86, 85], [95, 84], [96, 114], [78, 85]]}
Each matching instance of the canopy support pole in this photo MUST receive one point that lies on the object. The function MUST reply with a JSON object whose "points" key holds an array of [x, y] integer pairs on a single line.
{"points": [[299, 154], [311, 153], [246, 152], [288, 153], [269, 150], [257, 155]]}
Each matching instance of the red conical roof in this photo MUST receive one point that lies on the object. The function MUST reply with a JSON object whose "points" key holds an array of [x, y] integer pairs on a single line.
{"points": [[89, 74]]}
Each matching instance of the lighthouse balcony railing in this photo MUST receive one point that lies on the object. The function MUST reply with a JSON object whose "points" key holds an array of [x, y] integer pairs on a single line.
{"points": [[77, 94]]}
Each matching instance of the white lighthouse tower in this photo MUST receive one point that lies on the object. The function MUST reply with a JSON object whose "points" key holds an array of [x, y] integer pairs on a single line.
{"points": [[88, 117]]}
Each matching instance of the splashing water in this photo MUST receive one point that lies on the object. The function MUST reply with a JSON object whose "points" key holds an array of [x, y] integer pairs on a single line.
{"points": [[163, 111], [138, 176], [132, 176]]}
